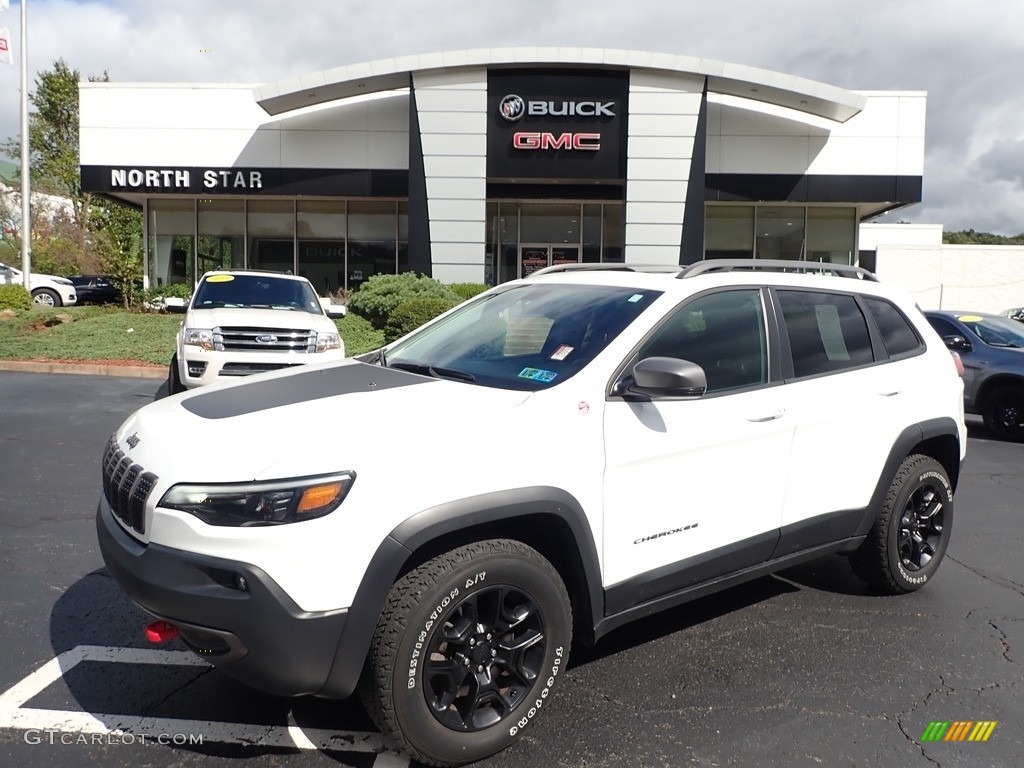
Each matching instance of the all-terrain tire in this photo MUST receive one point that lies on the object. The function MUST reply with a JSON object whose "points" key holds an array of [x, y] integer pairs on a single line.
{"points": [[907, 541], [467, 651]]}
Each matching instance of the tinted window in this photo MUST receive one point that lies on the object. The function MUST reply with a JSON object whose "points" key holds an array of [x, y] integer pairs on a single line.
{"points": [[264, 291], [898, 335], [827, 332], [724, 333], [944, 327], [528, 337]]}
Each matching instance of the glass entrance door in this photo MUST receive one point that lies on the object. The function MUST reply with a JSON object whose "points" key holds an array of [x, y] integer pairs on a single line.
{"points": [[539, 256]]}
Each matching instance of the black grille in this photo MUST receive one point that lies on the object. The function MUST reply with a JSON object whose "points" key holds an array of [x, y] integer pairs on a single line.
{"points": [[264, 339], [126, 486], [245, 369]]}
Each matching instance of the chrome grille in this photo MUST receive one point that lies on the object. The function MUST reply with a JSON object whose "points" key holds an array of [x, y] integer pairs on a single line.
{"points": [[126, 486], [264, 339]]}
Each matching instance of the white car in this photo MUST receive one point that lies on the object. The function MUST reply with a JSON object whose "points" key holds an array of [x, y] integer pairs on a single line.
{"points": [[243, 322], [536, 467], [46, 290]]}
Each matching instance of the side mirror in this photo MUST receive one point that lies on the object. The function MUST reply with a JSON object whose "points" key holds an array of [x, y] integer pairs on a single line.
{"points": [[668, 377], [957, 342], [175, 305]]}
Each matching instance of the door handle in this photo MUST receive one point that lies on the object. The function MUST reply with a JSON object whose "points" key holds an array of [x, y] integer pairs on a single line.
{"points": [[768, 417]]}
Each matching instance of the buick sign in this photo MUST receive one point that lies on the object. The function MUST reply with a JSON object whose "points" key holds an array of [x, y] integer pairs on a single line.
{"points": [[512, 107]]}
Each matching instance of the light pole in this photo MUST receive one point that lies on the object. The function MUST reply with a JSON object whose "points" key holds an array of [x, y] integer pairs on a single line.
{"points": [[26, 187]]}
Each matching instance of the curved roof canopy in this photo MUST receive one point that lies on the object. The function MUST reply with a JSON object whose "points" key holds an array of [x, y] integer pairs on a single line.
{"points": [[738, 80]]}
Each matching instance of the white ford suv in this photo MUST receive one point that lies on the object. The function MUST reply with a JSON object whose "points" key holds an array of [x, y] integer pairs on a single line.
{"points": [[244, 322], [46, 290], [534, 468]]}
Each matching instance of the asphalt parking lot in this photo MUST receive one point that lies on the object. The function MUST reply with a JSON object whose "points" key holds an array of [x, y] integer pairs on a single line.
{"points": [[807, 668]]}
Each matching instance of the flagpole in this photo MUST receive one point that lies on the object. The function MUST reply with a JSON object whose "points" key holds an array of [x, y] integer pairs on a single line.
{"points": [[26, 211]]}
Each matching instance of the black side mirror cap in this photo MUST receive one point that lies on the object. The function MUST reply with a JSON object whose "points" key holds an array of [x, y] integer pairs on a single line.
{"points": [[668, 377], [957, 342]]}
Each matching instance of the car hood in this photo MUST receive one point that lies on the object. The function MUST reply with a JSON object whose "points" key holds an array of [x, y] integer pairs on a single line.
{"points": [[305, 422], [258, 318]]}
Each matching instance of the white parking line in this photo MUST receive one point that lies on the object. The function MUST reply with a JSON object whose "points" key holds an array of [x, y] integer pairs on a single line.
{"points": [[14, 713]]}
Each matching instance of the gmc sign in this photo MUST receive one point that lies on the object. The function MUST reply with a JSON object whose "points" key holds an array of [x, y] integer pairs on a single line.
{"points": [[536, 140]]}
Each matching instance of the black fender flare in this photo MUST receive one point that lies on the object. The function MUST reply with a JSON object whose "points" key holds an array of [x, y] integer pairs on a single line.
{"points": [[448, 520]]}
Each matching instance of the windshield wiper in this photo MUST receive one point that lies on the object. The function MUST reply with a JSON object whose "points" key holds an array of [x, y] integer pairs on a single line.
{"points": [[435, 371]]}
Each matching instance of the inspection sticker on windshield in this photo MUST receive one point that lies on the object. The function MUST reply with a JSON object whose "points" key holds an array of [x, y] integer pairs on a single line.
{"points": [[220, 278], [561, 353], [538, 374], [635, 297]]}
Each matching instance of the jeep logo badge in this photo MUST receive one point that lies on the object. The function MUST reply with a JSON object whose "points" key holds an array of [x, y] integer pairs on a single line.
{"points": [[266, 338], [133, 440]]}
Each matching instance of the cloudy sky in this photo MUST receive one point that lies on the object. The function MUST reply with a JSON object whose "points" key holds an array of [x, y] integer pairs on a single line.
{"points": [[967, 54]]}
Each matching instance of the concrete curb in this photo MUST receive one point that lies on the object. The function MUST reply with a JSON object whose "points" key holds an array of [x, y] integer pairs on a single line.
{"points": [[85, 369]]}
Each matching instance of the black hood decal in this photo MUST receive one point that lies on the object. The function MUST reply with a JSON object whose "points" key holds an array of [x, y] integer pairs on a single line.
{"points": [[302, 387]]}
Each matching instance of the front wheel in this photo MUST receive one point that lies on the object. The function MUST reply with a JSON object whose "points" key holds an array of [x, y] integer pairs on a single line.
{"points": [[44, 297], [467, 651], [1003, 412], [905, 545]]}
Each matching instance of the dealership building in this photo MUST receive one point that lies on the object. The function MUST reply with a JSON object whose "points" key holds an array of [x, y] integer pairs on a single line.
{"points": [[486, 165]]}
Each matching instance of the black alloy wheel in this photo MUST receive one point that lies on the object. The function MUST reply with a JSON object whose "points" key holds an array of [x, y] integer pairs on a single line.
{"points": [[921, 527], [486, 656], [1004, 412]]}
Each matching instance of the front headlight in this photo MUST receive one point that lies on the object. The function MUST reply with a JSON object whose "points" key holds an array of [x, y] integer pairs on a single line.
{"points": [[199, 337], [62, 281], [325, 341], [261, 503]]}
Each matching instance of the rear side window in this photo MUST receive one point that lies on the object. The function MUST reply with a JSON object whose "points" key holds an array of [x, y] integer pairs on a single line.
{"points": [[827, 332], [898, 334]]}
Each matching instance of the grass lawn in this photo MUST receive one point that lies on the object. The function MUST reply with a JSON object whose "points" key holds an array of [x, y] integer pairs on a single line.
{"points": [[111, 335]]}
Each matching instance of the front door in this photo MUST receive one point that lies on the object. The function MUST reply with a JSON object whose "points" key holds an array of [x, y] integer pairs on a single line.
{"points": [[539, 256]]}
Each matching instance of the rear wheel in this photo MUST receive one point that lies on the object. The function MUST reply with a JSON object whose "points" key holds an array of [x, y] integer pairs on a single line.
{"points": [[1003, 412], [44, 297], [467, 651], [905, 545], [174, 385]]}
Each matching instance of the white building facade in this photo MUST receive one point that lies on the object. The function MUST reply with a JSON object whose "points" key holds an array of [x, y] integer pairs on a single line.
{"points": [[485, 165]]}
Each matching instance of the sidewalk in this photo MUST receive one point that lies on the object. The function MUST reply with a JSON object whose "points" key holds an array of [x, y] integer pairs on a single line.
{"points": [[86, 369]]}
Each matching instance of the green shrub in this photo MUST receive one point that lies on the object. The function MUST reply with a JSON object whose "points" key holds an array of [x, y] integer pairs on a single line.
{"points": [[379, 296], [14, 297], [467, 291], [359, 336], [413, 313]]}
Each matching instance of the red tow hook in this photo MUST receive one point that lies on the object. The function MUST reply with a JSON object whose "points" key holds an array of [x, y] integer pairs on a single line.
{"points": [[160, 632]]}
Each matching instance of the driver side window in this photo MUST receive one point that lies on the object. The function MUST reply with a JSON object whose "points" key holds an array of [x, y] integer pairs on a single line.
{"points": [[724, 333]]}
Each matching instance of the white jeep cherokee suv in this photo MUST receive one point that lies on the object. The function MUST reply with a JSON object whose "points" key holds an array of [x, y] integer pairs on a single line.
{"points": [[244, 322], [536, 467]]}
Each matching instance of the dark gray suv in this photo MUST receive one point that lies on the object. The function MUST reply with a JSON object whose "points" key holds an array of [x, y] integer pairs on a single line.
{"points": [[992, 350]]}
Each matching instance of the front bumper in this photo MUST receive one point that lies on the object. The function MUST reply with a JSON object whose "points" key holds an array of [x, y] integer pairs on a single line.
{"points": [[257, 635], [199, 368]]}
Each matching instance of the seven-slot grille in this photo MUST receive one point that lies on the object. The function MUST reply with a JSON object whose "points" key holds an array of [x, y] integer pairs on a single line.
{"points": [[264, 339], [126, 486]]}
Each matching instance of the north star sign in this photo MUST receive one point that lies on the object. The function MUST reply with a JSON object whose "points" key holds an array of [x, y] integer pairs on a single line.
{"points": [[156, 178]]}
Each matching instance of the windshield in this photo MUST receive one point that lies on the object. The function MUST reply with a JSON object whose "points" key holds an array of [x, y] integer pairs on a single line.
{"points": [[259, 291], [528, 337], [995, 331]]}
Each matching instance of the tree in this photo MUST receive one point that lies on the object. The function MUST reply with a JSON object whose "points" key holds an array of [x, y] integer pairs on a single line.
{"points": [[119, 229], [970, 237]]}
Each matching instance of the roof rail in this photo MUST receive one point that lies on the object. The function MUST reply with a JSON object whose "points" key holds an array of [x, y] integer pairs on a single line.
{"points": [[776, 265], [608, 266]]}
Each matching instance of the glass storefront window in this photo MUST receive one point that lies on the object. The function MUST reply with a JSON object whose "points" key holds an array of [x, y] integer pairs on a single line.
{"points": [[321, 228], [831, 234], [614, 236], [271, 231], [780, 232], [592, 232], [502, 243], [555, 223], [221, 235], [372, 244], [172, 228], [729, 232]]}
